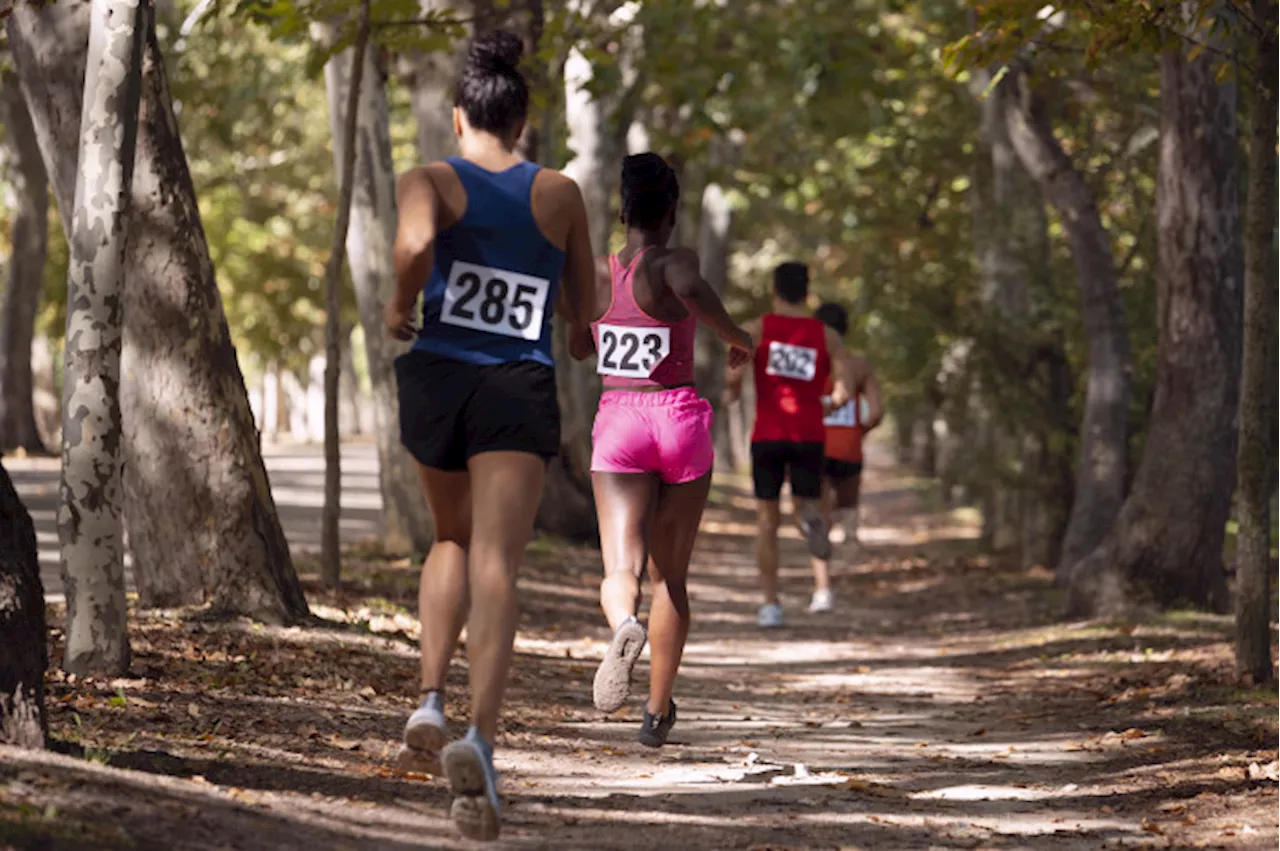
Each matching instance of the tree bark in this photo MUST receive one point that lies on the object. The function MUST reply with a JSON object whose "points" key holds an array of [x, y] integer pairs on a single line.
{"points": [[202, 523], [1167, 542], [709, 355], [89, 506], [30, 241], [406, 522], [330, 544], [1256, 460], [24, 655], [1100, 477], [429, 79]]}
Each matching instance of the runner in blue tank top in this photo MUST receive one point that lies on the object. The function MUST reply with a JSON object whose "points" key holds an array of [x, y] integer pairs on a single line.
{"points": [[486, 237]]}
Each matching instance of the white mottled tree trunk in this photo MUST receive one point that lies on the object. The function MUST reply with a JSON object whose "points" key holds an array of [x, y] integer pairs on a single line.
{"points": [[203, 527], [406, 521], [89, 511]]}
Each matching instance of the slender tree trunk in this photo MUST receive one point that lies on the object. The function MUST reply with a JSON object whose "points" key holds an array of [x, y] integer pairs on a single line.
{"points": [[1257, 454], [429, 78], [24, 654], [567, 506], [330, 545], [1167, 542], [1100, 478], [713, 251], [89, 506], [30, 241], [202, 523], [406, 523]]}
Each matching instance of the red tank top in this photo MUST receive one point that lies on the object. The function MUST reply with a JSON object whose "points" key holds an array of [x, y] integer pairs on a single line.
{"points": [[791, 370], [632, 348]]}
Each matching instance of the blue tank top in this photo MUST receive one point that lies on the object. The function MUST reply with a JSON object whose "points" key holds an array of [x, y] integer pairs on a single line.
{"points": [[491, 295]]}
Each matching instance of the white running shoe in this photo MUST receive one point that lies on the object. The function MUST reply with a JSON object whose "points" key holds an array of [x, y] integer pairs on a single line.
{"points": [[823, 601], [770, 616]]}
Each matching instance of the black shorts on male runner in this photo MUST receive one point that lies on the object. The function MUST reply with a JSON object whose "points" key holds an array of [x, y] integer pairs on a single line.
{"points": [[839, 471], [773, 462], [451, 410]]}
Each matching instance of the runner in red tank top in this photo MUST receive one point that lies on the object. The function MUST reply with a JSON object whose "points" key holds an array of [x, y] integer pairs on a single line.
{"points": [[795, 355], [651, 442]]}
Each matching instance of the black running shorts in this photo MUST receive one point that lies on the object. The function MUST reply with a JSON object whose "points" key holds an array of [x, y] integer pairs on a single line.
{"points": [[837, 470], [451, 410], [773, 462]]}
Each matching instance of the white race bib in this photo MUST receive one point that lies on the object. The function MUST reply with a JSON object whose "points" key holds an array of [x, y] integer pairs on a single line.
{"points": [[845, 416], [631, 352], [495, 301], [788, 361]]}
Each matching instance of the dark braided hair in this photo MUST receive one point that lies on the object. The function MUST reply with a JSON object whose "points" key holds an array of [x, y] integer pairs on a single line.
{"points": [[649, 190], [491, 91]]}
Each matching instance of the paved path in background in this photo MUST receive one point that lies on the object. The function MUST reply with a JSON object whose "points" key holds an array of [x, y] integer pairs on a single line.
{"points": [[297, 482]]}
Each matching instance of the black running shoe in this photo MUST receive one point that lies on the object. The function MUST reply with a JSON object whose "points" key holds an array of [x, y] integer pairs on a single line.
{"points": [[654, 730]]}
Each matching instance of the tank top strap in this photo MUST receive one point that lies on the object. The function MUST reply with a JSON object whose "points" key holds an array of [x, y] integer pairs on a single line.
{"points": [[624, 293]]}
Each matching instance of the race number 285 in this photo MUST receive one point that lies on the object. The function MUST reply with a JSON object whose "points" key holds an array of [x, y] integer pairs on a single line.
{"points": [[788, 361], [495, 301], [631, 352]]}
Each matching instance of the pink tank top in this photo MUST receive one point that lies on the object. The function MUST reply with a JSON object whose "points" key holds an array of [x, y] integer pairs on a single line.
{"points": [[632, 348]]}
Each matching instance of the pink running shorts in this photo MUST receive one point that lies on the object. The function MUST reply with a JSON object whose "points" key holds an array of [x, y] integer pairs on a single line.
{"points": [[667, 432]]}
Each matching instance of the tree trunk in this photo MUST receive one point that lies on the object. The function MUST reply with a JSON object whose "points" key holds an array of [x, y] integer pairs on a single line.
{"points": [[89, 505], [30, 241], [1256, 461], [1167, 542], [202, 523], [709, 354], [23, 652], [429, 78], [567, 506], [1099, 484], [406, 522], [345, 158]]}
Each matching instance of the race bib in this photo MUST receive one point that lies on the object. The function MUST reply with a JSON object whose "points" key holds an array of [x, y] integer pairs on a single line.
{"points": [[788, 361], [631, 352], [848, 415], [495, 301]]}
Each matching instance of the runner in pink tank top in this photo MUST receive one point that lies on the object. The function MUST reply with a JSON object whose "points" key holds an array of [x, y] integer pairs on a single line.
{"points": [[652, 448]]}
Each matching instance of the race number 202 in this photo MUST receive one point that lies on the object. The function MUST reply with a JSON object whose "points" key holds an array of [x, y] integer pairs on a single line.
{"points": [[788, 361], [495, 301], [631, 352]]}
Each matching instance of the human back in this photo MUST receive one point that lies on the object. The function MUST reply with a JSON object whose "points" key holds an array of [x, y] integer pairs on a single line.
{"points": [[791, 368]]}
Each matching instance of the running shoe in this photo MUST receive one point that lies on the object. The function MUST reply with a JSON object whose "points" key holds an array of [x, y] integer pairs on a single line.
{"points": [[823, 601], [817, 535], [613, 678], [654, 729], [476, 809], [770, 616], [424, 736]]}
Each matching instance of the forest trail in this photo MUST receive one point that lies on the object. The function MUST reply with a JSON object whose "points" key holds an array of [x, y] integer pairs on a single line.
{"points": [[943, 705]]}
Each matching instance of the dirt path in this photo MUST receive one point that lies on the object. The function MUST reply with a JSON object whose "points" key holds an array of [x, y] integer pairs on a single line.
{"points": [[942, 706]]}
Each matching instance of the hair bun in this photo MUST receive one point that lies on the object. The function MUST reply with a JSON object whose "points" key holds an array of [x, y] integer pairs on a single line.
{"points": [[497, 51]]}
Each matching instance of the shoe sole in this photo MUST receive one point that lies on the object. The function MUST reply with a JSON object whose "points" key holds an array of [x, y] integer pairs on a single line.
{"points": [[424, 736], [817, 537], [612, 684], [472, 811], [413, 761]]}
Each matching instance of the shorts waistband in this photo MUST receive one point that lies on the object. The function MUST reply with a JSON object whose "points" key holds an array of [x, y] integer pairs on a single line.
{"points": [[650, 398]]}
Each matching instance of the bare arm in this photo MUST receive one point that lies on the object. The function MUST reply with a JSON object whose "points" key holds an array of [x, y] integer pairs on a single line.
{"points": [[686, 281], [871, 391], [842, 378], [415, 249], [735, 374], [579, 301]]}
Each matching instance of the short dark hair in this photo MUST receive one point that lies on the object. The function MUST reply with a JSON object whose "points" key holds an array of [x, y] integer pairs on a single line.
{"points": [[833, 316], [491, 91], [791, 282], [650, 190]]}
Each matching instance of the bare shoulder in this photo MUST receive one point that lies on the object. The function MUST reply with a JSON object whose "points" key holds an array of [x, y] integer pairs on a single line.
{"points": [[556, 185]]}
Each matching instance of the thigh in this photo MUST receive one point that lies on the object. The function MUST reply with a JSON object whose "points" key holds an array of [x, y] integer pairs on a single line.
{"points": [[449, 498], [433, 392], [768, 470], [847, 484], [805, 470], [677, 517], [506, 489], [624, 505]]}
